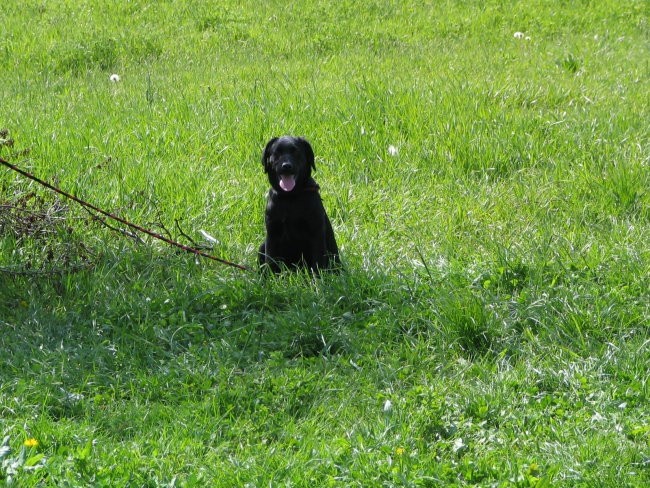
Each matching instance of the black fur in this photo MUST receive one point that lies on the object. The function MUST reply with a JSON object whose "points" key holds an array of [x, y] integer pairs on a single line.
{"points": [[298, 232]]}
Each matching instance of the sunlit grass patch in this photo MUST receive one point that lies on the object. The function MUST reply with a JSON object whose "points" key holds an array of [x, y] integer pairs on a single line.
{"points": [[488, 191]]}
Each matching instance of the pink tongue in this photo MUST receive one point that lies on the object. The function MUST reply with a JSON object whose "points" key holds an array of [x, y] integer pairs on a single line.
{"points": [[287, 182]]}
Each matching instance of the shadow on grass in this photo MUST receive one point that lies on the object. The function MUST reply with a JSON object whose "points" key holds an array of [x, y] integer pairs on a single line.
{"points": [[137, 309], [153, 306]]}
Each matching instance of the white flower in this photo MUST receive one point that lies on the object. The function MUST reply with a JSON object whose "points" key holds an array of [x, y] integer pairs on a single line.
{"points": [[392, 150], [388, 406], [459, 446], [115, 78], [597, 417], [519, 35]]}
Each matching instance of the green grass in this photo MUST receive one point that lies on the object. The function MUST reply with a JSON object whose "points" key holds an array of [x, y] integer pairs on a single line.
{"points": [[497, 266]]}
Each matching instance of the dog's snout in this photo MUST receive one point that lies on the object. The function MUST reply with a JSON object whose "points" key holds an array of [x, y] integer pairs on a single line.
{"points": [[286, 167]]}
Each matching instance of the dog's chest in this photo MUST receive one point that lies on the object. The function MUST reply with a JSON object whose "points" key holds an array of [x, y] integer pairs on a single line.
{"points": [[293, 219]]}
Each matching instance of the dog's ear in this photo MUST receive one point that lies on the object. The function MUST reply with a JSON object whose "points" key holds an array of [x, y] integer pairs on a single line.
{"points": [[309, 152], [267, 154]]}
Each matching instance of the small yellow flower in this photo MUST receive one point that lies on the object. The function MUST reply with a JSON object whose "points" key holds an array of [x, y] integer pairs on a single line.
{"points": [[400, 451], [30, 443]]}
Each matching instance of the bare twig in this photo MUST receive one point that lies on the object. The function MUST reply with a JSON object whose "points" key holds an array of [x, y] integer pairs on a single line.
{"points": [[85, 204]]}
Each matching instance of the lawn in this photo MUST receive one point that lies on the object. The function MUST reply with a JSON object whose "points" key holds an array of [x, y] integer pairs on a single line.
{"points": [[485, 165]]}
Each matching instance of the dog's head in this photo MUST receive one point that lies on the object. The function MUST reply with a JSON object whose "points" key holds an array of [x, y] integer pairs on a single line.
{"points": [[288, 161]]}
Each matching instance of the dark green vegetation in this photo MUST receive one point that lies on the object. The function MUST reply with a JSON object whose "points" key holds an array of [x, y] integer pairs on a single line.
{"points": [[491, 328]]}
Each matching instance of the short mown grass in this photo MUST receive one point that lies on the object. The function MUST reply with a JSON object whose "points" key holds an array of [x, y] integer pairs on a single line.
{"points": [[489, 194]]}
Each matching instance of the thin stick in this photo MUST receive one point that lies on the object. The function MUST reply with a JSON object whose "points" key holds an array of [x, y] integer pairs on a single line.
{"points": [[119, 219]]}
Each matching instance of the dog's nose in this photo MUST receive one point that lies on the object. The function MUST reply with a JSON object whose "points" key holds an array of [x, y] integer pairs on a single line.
{"points": [[286, 167]]}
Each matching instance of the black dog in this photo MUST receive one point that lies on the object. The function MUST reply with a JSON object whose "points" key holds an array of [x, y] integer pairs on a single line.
{"points": [[298, 232]]}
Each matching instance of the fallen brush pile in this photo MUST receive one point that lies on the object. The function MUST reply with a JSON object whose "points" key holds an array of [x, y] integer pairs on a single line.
{"points": [[42, 233], [38, 231], [96, 212]]}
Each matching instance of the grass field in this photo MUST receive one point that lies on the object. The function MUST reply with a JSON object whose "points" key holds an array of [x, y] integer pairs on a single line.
{"points": [[489, 192]]}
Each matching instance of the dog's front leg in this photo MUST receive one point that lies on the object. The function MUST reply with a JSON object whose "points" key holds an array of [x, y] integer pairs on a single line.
{"points": [[317, 259]]}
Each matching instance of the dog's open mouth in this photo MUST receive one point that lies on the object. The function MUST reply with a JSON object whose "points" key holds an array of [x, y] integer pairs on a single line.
{"points": [[287, 182]]}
